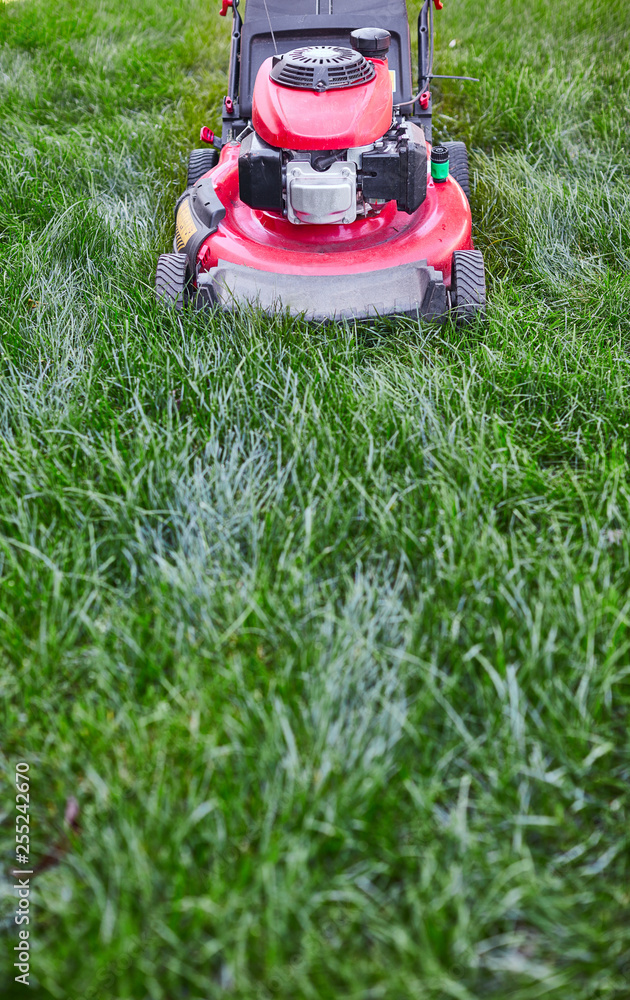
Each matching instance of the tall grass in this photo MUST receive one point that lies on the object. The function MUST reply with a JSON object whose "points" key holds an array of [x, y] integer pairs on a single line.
{"points": [[328, 632]]}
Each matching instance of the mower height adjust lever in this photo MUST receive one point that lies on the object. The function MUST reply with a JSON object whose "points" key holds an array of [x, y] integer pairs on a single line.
{"points": [[438, 4], [224, 7], [207, 135]]}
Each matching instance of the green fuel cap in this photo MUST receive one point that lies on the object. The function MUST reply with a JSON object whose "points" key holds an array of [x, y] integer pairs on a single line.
{"points": [[439, 164]]}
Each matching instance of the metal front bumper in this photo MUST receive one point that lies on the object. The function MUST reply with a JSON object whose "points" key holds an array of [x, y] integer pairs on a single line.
{"points": [[407, 290]]}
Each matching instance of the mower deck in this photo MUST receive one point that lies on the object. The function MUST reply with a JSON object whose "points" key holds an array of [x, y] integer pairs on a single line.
{"points": [[394, 264], [265, 242]]}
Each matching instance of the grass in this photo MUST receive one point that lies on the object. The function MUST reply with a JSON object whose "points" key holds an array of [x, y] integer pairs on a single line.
{"points": [[328, 633]]}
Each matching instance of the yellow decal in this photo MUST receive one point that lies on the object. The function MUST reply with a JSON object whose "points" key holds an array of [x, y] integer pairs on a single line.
{"points": [[185, 227], [392, 76]]}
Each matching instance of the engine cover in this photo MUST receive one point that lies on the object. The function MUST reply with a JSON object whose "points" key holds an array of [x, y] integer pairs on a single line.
{"points": [[325, 116], [322, 67]]}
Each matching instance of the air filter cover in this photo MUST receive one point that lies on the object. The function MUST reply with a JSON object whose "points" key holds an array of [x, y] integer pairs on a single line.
{"points": [[321, 68]]}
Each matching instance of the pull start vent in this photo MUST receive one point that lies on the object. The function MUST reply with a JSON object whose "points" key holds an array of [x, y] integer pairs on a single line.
{"points": [[322, 67]]}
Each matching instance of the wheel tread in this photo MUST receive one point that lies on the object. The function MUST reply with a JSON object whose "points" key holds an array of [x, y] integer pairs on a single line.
{"points": [[458, 159], [171, 280], [468, 286], [200, 162]]}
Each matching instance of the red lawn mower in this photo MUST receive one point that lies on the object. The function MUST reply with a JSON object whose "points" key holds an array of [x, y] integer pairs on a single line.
{"points": [[325, 195]]}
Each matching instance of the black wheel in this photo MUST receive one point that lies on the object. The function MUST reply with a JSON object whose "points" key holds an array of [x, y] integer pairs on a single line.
{"points": [[200, 162], [458, 159], [468, 286], [173, 280]]}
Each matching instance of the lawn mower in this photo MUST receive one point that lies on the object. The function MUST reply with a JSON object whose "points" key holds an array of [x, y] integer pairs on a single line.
{"points": [[324, 195]]}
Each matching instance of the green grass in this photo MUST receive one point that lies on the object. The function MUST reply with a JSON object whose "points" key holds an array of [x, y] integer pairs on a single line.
{"points": [[329, 633]]}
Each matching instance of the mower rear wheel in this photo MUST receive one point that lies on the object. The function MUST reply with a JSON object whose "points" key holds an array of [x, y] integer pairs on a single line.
{"points": [[200, 162], [173, 280], [458, 161], [468, 287]]}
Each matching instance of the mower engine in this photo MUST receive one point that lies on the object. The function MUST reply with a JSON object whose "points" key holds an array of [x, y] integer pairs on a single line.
{"points": [[320, 159]]}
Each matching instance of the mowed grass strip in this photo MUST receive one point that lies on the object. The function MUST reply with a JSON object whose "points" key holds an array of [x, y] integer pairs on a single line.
{"points": [[328, 632]]}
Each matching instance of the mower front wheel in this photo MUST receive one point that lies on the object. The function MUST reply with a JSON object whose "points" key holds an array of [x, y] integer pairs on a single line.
{"points": [[468, 287], [173, 281]]}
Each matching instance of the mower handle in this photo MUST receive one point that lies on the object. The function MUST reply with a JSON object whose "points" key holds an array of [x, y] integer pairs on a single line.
{"points": [[226, 4]]}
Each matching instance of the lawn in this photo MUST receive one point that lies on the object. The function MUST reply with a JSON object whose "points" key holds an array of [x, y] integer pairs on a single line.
{"points": [[328, 633]]}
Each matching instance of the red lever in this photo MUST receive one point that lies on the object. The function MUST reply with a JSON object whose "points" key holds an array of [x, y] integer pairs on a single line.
{"points": [[224, 7], [424, 100], [206, 135], [438, 4]]}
